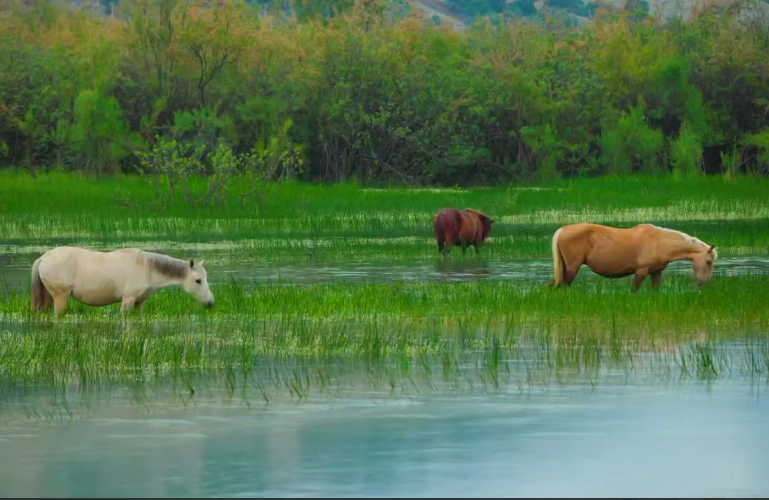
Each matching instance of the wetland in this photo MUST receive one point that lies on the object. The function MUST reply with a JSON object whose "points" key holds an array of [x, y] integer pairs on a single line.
{"points": [[345, 358]]}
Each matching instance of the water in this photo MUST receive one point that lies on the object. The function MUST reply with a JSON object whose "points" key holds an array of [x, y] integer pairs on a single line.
{"points": [[603, 434], [222, 267], [573, 440]]}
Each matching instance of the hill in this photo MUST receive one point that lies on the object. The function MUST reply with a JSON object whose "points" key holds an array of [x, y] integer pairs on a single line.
{"points": [[462, 13]]}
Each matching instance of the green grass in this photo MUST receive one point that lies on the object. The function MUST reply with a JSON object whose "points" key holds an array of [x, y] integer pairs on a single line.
{"points": [[726, 300], [374, 321], [506, 242], [59, 193], [351, 223], [479, 332]]}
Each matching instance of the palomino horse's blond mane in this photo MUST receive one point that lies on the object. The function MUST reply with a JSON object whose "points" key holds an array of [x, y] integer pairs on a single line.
{"points": [[688, 238], [165, 265]]}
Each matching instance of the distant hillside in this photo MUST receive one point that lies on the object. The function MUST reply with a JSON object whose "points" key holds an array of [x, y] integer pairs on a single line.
{"points": [[462, 13], [443, 11]]}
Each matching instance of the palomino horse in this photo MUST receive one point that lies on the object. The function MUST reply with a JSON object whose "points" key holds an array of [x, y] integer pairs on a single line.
{"points": [[616, 252], [463, 227], [128, 275]]}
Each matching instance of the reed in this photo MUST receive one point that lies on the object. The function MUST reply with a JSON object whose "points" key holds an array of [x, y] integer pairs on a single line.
{"points": [[281, 338]]}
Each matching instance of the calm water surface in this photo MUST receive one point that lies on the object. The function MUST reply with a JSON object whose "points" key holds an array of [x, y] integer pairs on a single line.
{"points": [[612, 440], [221, 266]]}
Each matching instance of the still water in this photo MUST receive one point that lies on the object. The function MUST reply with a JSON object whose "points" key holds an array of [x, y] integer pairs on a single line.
{"points": [[676, 440], [222, 267], [605, 437]]}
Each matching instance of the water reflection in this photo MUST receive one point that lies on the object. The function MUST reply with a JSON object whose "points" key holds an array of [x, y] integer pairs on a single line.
{"points": [[464, 270], [597, 433], [566, 441], [222, 267]]}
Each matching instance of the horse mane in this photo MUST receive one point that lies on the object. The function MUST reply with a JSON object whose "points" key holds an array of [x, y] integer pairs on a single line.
{"points": [[165, 265], [688, 239]]}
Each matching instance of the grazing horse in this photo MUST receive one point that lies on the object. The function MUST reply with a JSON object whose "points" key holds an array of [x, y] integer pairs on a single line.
{"points": [[128, 275], [460, 227], [617, 252]]}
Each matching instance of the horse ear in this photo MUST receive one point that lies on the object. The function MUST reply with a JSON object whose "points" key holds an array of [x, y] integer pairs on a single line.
{"points": [[492, 221], [192, 263], [712, 247], [201, 261]]}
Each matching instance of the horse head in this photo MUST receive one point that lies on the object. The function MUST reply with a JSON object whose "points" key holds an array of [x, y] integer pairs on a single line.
{"points": [[196, 283], [702, 263]]}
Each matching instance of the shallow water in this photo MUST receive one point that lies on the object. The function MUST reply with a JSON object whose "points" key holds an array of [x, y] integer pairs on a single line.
{"points": [[222, 267], [676, 440], [611, 435]]}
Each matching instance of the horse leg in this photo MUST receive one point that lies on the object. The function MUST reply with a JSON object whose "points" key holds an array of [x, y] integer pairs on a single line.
{"points": [[570, 270], [570, 265], [127, 304], [638, 278], [446, 248], [142, 299], [60, 302], [569, 274], [656, 279]]}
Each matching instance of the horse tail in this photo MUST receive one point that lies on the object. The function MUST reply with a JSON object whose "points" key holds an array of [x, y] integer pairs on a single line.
{"points": [[557, 260], [40, 298]]}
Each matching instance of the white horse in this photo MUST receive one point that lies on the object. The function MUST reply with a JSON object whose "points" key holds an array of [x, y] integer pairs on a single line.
{"points": [[128, 275]]}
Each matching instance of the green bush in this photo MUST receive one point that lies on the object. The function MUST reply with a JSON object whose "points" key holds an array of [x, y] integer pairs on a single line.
{"points": [[379, 96]]}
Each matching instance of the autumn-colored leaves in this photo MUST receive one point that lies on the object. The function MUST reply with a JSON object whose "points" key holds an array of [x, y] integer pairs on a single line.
{"points": [[371, 97]]}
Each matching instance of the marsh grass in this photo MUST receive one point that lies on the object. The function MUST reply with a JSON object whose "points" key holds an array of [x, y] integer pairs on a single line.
{"points": [[679, 301], [272, 339], [60, 193], [578, 329], [234, 376], [417, 243], [349, 222]]}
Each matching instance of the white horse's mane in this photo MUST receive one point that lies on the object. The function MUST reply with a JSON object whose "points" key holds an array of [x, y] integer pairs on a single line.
{"points": [[689, 239], [165, 265]]}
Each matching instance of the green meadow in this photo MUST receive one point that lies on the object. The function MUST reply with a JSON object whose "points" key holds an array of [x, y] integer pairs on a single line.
{"points": [[463, 327], [349, 221]]}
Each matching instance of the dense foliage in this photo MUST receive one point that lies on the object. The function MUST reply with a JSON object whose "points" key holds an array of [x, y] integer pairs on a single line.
{"points": [[176, 88]]}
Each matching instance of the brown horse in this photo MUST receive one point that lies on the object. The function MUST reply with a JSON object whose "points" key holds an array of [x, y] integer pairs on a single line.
{"points": [[617, 252], [461, 227]]}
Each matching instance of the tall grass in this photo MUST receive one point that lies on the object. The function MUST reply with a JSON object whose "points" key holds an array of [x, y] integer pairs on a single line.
{"points": [[374, 321], [62, 193], [348, 221], [288, 339], [597, 301], [242, 382]]}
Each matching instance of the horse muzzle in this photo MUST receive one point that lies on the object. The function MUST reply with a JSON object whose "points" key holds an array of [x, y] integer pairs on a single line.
{"points": [[701, 284], [208, 304]]}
